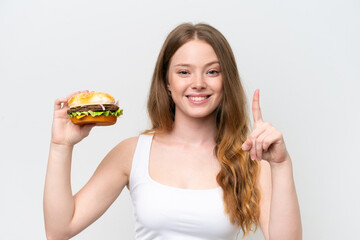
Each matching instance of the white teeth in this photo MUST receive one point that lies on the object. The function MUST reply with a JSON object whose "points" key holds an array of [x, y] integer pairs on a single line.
{"points": [[197, 98]]}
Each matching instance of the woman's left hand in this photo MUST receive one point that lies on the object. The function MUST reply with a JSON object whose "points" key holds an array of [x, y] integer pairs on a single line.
{"points": [[265, 142]]}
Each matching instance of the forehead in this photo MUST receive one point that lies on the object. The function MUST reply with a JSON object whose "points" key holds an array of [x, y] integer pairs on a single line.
{"points": [[194, 52]]}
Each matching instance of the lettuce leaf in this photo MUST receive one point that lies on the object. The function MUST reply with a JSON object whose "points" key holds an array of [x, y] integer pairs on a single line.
{"points": [[116, 113]]}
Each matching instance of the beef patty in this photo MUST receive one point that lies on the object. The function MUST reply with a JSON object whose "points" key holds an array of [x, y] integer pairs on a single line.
{"points": [[95, 108]]}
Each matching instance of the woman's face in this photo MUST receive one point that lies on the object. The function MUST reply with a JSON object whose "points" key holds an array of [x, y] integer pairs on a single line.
{"points": [[195, 79]]}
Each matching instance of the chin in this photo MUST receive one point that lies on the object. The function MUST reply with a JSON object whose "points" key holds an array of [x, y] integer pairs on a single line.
{"points": [[200, 114]]}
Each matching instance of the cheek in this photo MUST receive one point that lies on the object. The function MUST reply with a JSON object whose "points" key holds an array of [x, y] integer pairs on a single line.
{"points": [[220, 90], [171, 83], [219, 86], [176, 86]]}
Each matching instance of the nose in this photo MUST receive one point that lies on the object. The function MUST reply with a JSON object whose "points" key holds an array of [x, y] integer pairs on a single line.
{"points": [[198, 82]]}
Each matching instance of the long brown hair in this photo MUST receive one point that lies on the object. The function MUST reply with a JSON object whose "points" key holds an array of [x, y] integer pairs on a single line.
{"points": [[238, 174]]}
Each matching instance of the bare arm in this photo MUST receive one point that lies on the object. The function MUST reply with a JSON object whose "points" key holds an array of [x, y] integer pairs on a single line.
{"points": [[66, 215], [280, 213], [58, 200]]}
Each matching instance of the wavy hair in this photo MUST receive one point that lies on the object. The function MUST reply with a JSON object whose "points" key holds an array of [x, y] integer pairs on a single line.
{"points": [[238, 175]]}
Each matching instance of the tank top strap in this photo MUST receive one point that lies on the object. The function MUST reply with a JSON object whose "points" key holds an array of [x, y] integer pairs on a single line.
{"points": [[140, 162]]}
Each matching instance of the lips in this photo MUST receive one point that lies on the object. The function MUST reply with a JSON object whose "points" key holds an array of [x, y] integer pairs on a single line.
{"points": [[198, 98]]}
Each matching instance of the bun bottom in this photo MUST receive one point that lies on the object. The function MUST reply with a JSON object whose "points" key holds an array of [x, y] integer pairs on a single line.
{"points": [[98, 120]]}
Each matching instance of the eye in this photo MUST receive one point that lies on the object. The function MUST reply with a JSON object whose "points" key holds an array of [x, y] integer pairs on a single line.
{"points": [[213, 72], [183, 72]]}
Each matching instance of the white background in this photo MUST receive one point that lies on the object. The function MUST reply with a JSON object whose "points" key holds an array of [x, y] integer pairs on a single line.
{"points": [[303, 55]]}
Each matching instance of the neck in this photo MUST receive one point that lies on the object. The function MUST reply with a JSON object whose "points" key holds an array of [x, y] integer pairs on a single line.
{"points": [[194, 131]]}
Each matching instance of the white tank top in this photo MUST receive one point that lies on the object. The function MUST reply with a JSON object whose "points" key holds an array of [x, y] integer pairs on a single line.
{"points": [[168, 213]]}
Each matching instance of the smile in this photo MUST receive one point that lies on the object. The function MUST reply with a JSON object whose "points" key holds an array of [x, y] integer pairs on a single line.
{"points": [[198, 99]]}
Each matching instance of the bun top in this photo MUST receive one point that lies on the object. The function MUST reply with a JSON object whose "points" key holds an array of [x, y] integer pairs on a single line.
{"points": [[90, 98]]}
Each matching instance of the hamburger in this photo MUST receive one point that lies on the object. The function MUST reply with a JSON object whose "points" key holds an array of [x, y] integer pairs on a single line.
{"points": [[93, 108]]}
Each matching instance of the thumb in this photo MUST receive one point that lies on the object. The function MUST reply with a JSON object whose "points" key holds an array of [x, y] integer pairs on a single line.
{"points": [[247, 145], [87, 128]]}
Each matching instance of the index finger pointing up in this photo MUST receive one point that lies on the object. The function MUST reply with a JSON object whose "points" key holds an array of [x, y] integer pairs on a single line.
{"points": [[256, 111]]}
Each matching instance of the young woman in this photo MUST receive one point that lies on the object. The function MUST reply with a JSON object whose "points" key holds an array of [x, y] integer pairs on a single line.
{"points": [[198, 173]]}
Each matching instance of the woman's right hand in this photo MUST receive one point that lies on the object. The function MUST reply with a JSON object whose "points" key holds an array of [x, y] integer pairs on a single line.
{"points": [[64, 132]]}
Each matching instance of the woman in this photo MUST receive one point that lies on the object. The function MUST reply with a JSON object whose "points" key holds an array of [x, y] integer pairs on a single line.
{"points": [[194, 174]]}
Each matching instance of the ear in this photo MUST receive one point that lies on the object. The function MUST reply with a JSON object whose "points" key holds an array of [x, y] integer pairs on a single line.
{"points": [[168, 89]]}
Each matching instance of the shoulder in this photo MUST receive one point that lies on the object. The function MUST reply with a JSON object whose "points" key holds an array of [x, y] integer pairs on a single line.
{"points": [[127, 146], [122, 154], [125, 149]]}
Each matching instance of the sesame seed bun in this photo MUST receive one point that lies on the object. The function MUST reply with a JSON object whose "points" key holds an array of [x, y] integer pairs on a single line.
{"points": [[98, 120], [90, 98]]}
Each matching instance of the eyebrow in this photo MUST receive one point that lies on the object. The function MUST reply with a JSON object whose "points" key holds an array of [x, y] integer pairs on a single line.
{"points": [[188, 65]]}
